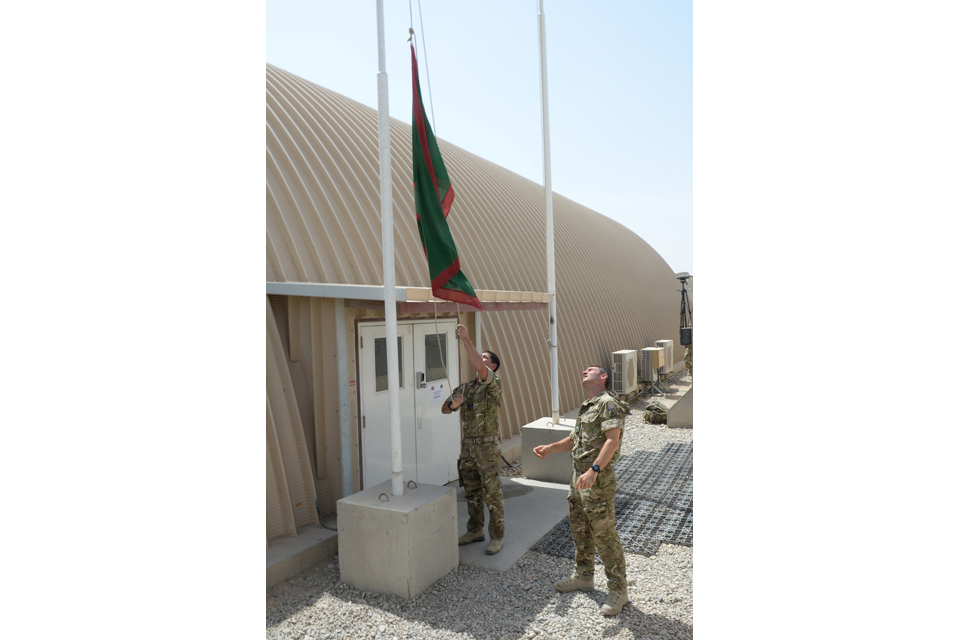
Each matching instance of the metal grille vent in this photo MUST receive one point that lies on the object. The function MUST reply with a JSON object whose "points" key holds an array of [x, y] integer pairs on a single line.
{"points": [[624, 371], [648, 372]]}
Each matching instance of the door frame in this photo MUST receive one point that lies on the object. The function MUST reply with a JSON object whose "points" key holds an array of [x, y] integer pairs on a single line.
{"points": [[357, 323]]}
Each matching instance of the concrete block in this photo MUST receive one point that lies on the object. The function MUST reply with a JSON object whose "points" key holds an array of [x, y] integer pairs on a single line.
{"points": [[680, 414], [398, 546], [558, 466]]}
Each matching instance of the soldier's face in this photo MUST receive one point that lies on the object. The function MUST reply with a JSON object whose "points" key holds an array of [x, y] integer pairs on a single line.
{"points": [[591, 375], [487, 361]]}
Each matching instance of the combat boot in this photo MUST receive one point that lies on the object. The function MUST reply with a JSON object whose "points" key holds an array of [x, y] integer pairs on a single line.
{"points": [[573, 583], [614, 603], [470, 536], [494, 546]]}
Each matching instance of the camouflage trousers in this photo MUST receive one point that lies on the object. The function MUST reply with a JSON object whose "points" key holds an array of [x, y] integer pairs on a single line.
{"points": [[480, 464], [593, 524]]}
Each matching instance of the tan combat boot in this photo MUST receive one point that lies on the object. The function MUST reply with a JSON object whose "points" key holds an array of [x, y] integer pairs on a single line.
{"points": [[470, 536], [614, 603], [494, 546], [573, 583]]}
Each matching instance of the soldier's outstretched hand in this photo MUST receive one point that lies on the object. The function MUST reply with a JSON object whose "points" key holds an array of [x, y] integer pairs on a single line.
{"points": [[541, 451]]}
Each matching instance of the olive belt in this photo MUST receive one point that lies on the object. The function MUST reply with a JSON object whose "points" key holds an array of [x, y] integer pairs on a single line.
{"points": [[479, 439]]}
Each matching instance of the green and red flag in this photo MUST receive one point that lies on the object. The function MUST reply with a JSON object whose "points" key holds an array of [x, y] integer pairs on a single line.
{"points": [[433, 195]]}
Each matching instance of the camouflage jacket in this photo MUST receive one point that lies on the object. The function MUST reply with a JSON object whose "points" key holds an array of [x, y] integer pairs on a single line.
{"points": [[598, 414], [481, 405]]}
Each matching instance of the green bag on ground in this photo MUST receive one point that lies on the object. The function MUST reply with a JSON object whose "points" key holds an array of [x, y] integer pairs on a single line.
{"points": [[655, 413]]}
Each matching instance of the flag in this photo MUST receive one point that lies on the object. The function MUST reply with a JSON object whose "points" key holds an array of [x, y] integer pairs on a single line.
{"points": [[433, 195]]}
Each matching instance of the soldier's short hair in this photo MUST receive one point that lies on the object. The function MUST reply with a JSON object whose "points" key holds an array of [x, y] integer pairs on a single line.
{"points": [[495, 359], [606, 383]]}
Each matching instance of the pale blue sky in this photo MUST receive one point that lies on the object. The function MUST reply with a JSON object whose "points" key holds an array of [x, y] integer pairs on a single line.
{"points": [[620, 87]]}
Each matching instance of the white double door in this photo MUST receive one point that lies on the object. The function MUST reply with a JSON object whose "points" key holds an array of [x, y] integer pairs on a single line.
{"points": [[430, 441]]}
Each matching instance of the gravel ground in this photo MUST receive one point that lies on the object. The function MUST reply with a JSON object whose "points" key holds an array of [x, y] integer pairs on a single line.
{"points": [[519, 603]]}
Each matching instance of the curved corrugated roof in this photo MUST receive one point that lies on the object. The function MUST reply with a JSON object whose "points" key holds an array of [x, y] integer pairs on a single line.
{"points": [[323, 226]]}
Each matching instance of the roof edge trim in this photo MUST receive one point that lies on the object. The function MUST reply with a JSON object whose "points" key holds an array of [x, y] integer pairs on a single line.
{"points": [[328, 290], [404, 294]]}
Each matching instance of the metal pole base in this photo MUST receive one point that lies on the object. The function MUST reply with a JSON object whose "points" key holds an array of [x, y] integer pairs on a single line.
{"points": [[654, 389]]}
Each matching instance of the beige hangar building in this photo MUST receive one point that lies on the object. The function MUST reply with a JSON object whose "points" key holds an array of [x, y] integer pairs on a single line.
{"points": [[327, 423]]}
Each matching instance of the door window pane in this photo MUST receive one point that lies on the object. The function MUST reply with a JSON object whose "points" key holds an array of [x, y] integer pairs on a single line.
{"points": [[380, 360], [433, 356]]}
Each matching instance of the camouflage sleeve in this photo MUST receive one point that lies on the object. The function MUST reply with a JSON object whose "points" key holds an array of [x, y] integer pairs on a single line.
{"points": [[453, 393], [494, 387], [490, 376], [612, 415]]}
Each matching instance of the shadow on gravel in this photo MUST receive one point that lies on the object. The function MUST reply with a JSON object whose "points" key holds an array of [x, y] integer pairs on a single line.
{"points": [[475, 602], [585, 608]]}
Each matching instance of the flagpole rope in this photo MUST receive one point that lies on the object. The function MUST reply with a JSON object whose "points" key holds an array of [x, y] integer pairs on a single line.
{"points": [[426, 62], [436, 328], [413, 36], [459, 413]]}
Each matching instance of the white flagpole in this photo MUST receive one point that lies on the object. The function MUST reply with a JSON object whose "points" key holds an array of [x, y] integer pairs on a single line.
{"points": [[389, 274], [548, 197]]}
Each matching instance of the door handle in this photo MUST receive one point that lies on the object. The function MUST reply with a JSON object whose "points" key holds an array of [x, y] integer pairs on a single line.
{"points": [[421, 380]]}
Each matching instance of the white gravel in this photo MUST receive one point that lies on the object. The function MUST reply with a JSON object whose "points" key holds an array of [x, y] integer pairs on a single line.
{"points": [[519, 603]]}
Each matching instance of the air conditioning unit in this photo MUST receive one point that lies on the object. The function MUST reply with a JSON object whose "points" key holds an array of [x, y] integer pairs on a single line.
{"points": [[624, 372], [651, 359], [667, 346]]}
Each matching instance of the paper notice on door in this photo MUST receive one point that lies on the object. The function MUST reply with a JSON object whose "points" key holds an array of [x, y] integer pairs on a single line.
{"points": [[436, 393]]}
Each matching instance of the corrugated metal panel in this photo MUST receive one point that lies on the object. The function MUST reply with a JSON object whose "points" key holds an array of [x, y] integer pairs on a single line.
{"points": [[279, 512], [283, 309], [279, 305], [323, 225], [291, 495]]}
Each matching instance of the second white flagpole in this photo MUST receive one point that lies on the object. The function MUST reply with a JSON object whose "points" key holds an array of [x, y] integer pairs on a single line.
{"points": [[548, 197]]}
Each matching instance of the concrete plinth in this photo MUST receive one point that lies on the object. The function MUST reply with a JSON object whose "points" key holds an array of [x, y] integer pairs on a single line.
{"points": [[398, 546], [680, 415], [558, 466]]}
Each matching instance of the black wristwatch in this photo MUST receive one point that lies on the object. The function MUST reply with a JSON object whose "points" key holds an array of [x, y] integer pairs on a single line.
{"points": [[595, 468]]}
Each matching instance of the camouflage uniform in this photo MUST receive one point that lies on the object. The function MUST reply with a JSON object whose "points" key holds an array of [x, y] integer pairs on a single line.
{"points": [[688, 359], [593, 520], [480, 451]]}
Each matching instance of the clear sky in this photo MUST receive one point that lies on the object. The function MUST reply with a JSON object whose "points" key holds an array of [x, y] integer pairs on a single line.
{"points": [[620, 77]]}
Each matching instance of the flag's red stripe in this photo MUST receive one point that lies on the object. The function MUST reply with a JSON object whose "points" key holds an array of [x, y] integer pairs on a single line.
{"points": [[452, 294], [446, 274], [445, 203], [418, 117], [457, 296], [447, 199]]}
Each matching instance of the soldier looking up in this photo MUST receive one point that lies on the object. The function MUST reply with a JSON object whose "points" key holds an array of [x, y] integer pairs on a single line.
{"points": [[479, 462], [595, 443]]}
